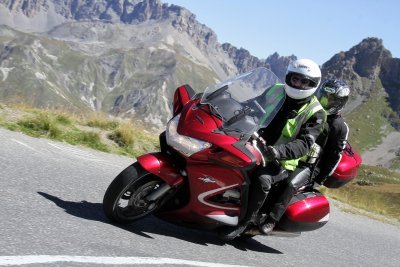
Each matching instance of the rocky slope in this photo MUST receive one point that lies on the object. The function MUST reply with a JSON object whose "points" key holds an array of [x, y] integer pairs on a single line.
{"points": [[362, 67], [126, 57], [121, 57]]}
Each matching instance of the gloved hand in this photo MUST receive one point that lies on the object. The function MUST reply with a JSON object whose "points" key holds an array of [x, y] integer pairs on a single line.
{"points": [[270, 153]]}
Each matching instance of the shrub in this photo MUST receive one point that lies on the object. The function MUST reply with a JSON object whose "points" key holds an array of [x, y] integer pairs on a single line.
{"points": [[102, 122], [124, 135], [92, 140], [40, 124]]}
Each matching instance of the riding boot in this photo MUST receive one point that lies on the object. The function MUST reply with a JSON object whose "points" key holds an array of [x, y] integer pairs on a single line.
{"points": [[267, 226], [256, 200]]}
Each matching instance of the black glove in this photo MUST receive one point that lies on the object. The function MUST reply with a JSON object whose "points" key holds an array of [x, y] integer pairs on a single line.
{"points": [[270, 153]]}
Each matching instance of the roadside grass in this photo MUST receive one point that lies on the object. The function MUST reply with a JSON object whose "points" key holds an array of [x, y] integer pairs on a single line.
{"points": [[375, 189], [133, 140], [101, 121], [93, 130]]}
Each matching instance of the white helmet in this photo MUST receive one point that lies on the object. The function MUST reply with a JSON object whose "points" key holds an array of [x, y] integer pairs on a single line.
{"points": [[302, 78]]}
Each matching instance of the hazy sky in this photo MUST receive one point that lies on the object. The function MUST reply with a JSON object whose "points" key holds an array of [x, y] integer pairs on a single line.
{"points": [[315, 29]]}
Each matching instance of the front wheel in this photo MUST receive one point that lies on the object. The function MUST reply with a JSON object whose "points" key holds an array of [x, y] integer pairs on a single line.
{"points": [[125, 199]]}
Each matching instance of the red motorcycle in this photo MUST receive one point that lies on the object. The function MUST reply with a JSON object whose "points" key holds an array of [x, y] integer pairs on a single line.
{"points": [[208, 153]]}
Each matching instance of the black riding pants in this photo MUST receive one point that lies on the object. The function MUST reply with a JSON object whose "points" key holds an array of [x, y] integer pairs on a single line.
{"points": [[261, 183]]}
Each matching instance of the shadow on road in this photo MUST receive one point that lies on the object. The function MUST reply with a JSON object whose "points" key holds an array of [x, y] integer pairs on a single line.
{"points": [[151, 224]]}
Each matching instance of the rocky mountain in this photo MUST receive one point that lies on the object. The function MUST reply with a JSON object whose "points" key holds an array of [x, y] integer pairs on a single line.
{"points": [[122, 57], [362, 67], [374, 108], [126, 57], [245, 62]]}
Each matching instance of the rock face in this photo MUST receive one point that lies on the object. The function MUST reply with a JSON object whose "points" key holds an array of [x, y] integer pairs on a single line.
{"points": [[362, 66], [361, 61], [244, 61], [279, 64], [242, 58], [122, 57], [390, 75]]}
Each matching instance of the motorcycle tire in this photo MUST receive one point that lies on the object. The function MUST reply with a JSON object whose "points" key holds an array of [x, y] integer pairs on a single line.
{"points": [[124, 200]]}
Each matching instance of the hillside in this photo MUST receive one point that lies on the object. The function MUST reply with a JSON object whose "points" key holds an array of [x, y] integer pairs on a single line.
{"points": [[125, 58]]}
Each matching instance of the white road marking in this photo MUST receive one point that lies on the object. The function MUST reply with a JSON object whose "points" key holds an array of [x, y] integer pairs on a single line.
{"points": [[25, 145], [43, 259], [76, 152], [84, 155]]}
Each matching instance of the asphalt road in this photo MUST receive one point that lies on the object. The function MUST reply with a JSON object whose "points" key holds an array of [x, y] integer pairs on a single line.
{"points": [[51, 215]]}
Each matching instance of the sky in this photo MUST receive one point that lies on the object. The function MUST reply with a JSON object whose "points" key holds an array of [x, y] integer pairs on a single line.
{"points": [[314, 29]]}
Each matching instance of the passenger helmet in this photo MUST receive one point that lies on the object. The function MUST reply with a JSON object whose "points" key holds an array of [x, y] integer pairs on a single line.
{"points": [[333, 95], [302, 78]]}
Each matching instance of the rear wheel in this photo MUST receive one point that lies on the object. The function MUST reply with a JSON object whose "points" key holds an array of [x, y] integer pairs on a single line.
{"points": [[125, 199]]}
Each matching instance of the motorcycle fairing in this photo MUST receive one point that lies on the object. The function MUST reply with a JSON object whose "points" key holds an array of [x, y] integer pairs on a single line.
{"points": [[182, 96], [211, 196], [162, 166], [201, 124]]}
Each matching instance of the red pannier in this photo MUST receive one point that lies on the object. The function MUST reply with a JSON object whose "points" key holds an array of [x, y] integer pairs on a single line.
{"points": [[346, 169]]}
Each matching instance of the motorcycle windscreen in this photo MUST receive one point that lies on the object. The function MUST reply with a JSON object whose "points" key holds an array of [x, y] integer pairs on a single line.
{"points": [[246, 102]]}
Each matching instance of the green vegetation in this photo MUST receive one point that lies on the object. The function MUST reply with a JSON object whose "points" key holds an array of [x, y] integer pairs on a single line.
{"points": [[372, 114], [96, 131], [102, 122], [133, 140], [395, 163], [375, 190]]}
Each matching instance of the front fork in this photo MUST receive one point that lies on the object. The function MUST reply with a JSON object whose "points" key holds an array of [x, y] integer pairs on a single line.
{"points": [[158, 193], [162, 166]]}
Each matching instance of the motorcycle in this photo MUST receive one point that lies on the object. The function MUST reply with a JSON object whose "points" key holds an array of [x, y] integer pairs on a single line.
{"points": [[209, 150]]}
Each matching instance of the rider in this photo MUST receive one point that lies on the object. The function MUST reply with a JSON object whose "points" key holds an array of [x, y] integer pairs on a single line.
{"points": [[333, 95], [293, 132]]}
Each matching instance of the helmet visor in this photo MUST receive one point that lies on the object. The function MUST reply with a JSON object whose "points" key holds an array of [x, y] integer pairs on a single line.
{"points": [[331, 102], [299, 81]]}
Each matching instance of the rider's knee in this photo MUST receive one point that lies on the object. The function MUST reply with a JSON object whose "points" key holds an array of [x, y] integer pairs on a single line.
{"points": [[299, 179], [293, 185]]}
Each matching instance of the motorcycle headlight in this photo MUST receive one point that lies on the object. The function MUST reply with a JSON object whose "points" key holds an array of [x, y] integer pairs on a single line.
{"points": [[184, 144]]}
